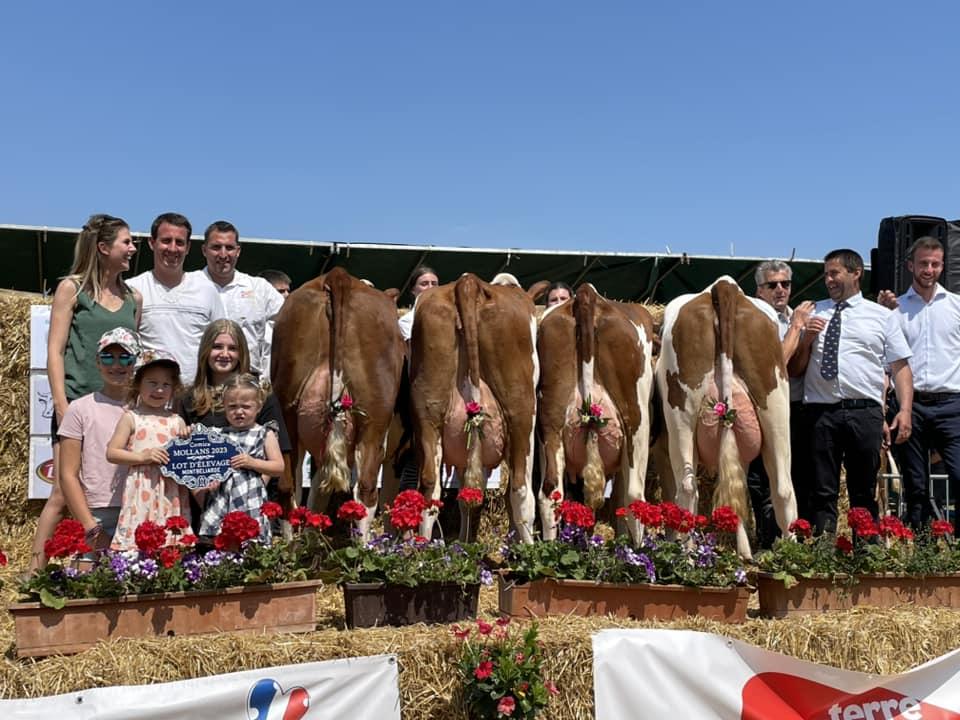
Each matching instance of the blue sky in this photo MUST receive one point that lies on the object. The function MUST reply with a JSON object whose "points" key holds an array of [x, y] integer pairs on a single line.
{"points": [[768, 126]]}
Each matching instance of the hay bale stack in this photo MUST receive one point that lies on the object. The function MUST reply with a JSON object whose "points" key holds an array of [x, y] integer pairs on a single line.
{"points": [[15, 404]]}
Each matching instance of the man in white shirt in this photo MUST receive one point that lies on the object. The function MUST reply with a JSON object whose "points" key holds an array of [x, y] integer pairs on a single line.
{"points": [[847, 344], [774, 280], [929, 316], [249, 301], [177, 306]]}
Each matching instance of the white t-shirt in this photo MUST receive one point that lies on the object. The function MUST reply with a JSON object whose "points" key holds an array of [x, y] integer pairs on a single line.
{"points": [[250, 302], [91, 419], [174, 318]]}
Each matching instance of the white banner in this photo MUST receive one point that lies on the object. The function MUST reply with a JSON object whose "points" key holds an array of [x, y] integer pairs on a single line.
{"points": [[639, 674], [365, 687]]}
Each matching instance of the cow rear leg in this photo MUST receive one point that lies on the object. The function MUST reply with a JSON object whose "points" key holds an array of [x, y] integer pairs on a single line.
{"points": [[683, 461], [551, 481], [432, 454], [369, 458], [776, 453], [631, 480]]}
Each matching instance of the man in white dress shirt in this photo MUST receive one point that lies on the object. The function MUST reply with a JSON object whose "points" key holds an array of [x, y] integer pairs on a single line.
{"points": [[177, 306], [848, 343], [929, 316], [249, 301], [774, 281]]}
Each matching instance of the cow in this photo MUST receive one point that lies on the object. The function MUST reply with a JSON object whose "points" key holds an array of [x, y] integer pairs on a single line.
{"points": [[725, 398], [594, 351], [336, 337], [475, 342]]}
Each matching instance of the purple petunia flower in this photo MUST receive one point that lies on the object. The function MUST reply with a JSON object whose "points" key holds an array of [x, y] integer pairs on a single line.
{"points": [[486, 577]]}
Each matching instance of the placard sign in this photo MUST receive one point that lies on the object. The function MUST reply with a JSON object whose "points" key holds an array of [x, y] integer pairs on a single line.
{"points": [[200, 459]]}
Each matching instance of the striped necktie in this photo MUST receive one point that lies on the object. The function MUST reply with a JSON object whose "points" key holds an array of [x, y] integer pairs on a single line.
{"points": [[831, 344]]}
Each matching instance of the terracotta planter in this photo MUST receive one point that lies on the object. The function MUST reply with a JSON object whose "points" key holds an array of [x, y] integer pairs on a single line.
{"points": [[370, 604], [285, 607], [638, 602], [823, 594]]}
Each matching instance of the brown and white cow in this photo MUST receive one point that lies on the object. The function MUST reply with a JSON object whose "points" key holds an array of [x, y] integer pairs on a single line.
{"points": [[476, 342], [337, 335], [596, 351], [722, 346]]}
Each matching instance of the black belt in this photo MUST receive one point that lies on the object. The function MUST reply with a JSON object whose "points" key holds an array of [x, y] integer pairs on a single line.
{"points": [[929, 398], [847, 404]]}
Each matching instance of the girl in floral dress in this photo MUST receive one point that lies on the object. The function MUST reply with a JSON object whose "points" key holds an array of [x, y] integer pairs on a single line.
{"points": [[244, 486], [139, 443]]}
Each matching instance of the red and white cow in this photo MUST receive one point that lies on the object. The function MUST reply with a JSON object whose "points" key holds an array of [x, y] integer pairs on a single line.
{"points": [[474, 342], [600, 352], [720, 346], [334, 336]]}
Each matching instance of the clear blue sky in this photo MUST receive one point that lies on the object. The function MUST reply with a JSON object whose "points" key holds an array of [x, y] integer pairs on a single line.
{"points": [[601, 126]]}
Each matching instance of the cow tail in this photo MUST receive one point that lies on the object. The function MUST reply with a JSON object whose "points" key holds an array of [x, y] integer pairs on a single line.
{"points": [[335, 471], [467, 293], [584, 312], [731, 486]]}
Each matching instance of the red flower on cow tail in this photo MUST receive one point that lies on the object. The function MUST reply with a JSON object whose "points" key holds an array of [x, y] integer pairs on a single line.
{"points": [[591, 415], [344, 404], [723, 411], [475, 419]]}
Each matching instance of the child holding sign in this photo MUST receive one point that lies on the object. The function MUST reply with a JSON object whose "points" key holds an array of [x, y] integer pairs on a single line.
{"points": [[244, 487], [138, 442]]}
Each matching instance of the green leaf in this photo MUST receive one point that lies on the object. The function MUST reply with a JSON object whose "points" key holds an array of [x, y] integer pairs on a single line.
{"points": [[52, 601], [351, 552]]}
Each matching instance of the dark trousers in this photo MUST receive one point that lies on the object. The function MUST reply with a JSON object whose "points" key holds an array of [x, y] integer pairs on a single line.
{"points": [[758, 482], [936, 426], [850, 435]]}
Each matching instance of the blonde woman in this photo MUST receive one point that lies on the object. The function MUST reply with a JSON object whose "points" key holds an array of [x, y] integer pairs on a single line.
{"points": [[92, 300]]}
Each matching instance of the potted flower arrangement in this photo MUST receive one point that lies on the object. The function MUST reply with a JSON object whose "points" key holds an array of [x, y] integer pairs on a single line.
{"points": [[873, 563], [400, 578], [502, 670], [685, 565], [167, 587]]}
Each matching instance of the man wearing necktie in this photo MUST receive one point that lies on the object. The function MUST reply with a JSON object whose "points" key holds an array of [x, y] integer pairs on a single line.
{"points": [[929, 316], [848, 343]]}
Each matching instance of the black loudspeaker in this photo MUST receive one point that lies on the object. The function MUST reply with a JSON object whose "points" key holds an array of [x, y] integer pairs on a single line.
{"points": [[951, 266], [888, 262]]}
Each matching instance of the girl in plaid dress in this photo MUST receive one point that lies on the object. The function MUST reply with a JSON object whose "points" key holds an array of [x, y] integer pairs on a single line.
{"points": [[244, 487]]}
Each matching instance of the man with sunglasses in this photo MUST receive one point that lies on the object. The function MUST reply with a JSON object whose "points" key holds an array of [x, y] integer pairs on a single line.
{"points": [[93, 487], [929, 316], [774, 280]]}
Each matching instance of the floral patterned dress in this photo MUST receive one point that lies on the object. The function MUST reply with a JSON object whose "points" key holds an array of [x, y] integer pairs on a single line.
{"points": [[148, 495]]}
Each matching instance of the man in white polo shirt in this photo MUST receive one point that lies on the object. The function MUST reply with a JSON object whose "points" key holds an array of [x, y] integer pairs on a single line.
{"points": [[929, 316], [847, 344], [177, 306], [249, 301]]}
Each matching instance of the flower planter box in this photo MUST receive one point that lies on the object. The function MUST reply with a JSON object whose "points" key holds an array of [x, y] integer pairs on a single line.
{"points": [[371, 604], [823, 594], [638, 602], [284, 607]]}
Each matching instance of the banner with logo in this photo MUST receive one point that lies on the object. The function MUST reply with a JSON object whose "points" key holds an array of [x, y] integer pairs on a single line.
{"points": [[640, 674], [364, 687], [40, 472]]}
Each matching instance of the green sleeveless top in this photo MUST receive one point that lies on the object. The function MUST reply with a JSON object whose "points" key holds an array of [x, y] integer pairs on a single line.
{"points": [[90, 321]]}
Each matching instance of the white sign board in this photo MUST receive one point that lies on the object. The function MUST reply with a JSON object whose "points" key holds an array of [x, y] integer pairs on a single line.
{"points": [[639, 674], [40, 472], [39, 328], [40, 482], [364, 687]]}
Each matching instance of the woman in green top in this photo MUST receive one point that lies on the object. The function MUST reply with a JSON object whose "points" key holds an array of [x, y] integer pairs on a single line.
{"points": [[90, 301]]}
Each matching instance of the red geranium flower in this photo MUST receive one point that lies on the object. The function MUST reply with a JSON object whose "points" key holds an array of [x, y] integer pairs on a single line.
{"points": [[483, 627], [725, 519], [677, 518], [150, 537], [801, 528], [235, 529], [620, 512], [844, 545], [484, 670], [647, 513], [941, 528], [574, 513], [68, 539], [507, 705], [890, 526], [352, 511], [169, 556], [470, 496], [318, 520], [405, 513], [861, 522], [188, 540], [176, 523], [271, 510]]}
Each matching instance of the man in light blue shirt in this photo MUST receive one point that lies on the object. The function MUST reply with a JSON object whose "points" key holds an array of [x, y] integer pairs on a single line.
{"points": [[847, 344], [929, 316]]}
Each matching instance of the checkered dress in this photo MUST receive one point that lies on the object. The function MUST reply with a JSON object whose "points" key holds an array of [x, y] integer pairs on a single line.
{"points": [[242, 490]]}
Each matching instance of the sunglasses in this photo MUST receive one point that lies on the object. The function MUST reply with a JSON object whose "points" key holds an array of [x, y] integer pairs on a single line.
{"points": [[785, 284], [125, 359]]}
